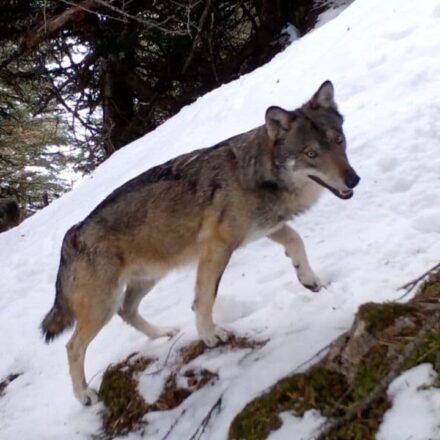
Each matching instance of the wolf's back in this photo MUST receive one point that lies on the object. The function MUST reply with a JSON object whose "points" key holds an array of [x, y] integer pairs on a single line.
{"points": [[60, 316]]}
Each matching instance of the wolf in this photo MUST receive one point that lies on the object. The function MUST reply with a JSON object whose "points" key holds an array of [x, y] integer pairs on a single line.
{"points": [[199, 206]]}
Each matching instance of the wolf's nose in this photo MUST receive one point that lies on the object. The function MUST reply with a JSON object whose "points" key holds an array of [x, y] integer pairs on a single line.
{"points": [[352, 180]]}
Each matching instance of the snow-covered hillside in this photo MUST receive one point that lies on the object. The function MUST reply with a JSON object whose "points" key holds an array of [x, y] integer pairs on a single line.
{"points": [[383, 58]]}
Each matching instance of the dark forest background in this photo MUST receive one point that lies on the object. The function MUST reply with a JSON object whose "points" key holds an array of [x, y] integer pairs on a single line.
{"points": [[79, 79]]}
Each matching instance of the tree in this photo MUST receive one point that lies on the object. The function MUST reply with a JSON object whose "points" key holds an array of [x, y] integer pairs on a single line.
{"points": [[120, 68], [31, 147]]}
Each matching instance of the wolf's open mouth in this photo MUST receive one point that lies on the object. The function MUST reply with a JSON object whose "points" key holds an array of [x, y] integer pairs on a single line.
{"points": [[342, 194]]}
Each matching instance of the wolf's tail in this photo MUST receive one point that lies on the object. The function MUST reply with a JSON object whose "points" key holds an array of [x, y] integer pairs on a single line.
{"points": [[60, 317]]}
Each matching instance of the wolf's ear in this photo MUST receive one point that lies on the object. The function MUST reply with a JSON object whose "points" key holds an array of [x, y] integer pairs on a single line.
{"points": [[324, 97], [277, 122]]}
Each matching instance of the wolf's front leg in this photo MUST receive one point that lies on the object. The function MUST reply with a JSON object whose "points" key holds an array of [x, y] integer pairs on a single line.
{"points": [[213, 259], [294, 246]]}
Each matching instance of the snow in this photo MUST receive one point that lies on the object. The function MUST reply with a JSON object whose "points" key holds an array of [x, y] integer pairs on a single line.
{"points": [[383, 60], [415, 407], [333, 9], [301, 426]]}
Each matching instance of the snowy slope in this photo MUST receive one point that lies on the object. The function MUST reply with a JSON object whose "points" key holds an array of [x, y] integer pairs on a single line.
{"points": [[383, 58]]}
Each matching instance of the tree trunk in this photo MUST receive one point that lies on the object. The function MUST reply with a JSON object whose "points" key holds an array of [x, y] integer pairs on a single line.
{"points": [[118, 97]]}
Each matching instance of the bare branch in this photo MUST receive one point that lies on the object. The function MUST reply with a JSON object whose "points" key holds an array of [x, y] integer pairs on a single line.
{"points": [[411, 285], [147, 23], [174, 424], [90, 11], [54, 25], [202, 427], [197, 39], [153, 373]]}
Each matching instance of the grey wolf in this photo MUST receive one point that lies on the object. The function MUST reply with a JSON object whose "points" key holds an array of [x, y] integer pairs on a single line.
{"points": [[9, 214], [199, 206]]}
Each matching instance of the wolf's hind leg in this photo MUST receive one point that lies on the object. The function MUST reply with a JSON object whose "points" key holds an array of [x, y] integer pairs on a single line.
{"points": [[129, 312], [295, 250], [91, 318]]}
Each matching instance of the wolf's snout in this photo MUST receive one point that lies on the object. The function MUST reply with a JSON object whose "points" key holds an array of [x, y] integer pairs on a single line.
{"points": [[352, 179]]}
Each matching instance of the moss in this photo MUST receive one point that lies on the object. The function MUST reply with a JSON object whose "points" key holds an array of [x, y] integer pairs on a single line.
{"points": [[364, 426], [330, 392], [373, 368], [125, 407], [320, 388], [431, 287], [378, 317], [427, 351]]}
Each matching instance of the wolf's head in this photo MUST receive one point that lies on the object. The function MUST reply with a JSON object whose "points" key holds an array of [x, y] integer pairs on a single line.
{"points": [[309, 142]]}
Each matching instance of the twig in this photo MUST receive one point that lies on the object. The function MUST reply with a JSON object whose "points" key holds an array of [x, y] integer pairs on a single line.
{"points": [[90, 11], [52, 26], [198, 36], [311, 358], [202, 427], [380, 388], [148, 374], [45, 15], [173, 425], [153, 373], [74, 112], [147, 23], [211, 50], [411, 285]]}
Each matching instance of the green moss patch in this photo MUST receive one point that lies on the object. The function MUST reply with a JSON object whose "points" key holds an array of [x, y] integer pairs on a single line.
{"points": [[427, 351], [338, 385], [322, 389], [431, 287], [319, 388], [378, 317], [365, 425], [373, 368], [125, 407]]}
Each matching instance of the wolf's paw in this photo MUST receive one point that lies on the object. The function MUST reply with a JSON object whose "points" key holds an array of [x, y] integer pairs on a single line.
{"points": [[154, 331], [169, 331], [316, 287], [212, 337], [311, 281], [88, 397]]}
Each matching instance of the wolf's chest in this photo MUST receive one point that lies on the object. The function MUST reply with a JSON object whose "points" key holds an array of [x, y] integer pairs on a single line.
{"points": [[278, 206]]}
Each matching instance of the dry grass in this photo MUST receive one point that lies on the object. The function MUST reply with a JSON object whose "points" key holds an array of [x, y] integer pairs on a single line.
{"points": [[197, 348], [5, 382], [126, 408]]}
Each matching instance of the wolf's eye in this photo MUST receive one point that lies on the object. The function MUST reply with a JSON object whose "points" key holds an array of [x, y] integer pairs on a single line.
{"points": [[311, 154], [339, 139]]}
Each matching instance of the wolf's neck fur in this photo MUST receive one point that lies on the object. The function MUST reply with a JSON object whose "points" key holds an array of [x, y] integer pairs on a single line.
{"points": [[254, 159]]}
